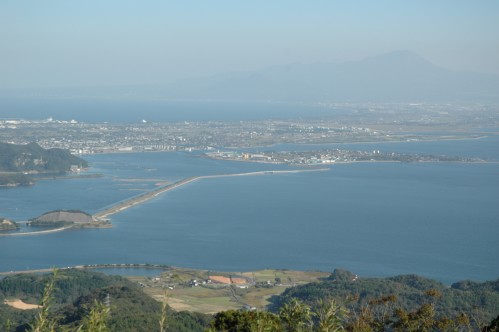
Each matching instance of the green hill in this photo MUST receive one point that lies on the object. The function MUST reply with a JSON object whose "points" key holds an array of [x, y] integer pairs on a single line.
{"points": [[341, 302], [409, 292], [75, 293], [18, 161], [33, 158]]}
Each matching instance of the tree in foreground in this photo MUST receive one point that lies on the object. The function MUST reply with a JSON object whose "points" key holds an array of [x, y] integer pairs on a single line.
{"points": [[43, 322], [296, 316], [328, 316]]}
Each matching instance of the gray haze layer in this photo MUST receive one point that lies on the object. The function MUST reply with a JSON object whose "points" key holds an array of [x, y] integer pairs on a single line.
{"points": [[399, 76]]}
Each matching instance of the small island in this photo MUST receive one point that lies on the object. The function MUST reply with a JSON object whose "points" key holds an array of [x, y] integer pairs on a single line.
{"points": [[7, 225], [54, 221], [68, 218]]}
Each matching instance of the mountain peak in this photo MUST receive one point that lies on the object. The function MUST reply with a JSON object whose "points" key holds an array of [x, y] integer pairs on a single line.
{"points": [[399, 58]]}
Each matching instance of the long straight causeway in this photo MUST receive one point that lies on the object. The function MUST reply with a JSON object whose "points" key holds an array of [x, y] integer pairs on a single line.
{"points": [[123, 205]]}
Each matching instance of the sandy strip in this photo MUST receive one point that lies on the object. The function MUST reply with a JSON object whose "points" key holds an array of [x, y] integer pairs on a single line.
{"points": [[38, 232], [19, 304]]}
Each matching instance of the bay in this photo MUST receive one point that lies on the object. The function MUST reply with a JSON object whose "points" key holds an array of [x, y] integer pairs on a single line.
{"points": [[135, 110], [439, 220]]}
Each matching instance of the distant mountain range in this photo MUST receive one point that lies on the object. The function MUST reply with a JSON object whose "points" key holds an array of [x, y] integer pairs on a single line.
{"points": [[399, 76], [396, 76]]}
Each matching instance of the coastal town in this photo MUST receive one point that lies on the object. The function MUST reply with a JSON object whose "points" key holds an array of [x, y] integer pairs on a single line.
{"points": [[331, 156], [354, 123]]}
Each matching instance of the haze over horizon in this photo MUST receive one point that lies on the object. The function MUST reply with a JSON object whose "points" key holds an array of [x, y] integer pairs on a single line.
{"points": [[61, 44]]}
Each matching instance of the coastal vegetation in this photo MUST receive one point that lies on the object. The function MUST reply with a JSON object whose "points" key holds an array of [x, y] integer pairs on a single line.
{"points": [[7, 225], [17, 162], [76, 297], [33, 158], [405, 293], [15, 179], [78, 300]]}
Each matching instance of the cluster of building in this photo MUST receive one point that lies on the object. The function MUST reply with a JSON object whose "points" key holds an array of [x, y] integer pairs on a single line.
{"points": [[369, 122], [331, 156], [87, 138]]}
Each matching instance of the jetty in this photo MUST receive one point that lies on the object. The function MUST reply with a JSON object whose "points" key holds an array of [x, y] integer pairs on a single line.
{"points": [[142, 198], [126, 204]]}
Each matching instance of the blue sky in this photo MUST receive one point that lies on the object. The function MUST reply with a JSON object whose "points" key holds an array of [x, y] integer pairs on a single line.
{"points": [[78, 43]]}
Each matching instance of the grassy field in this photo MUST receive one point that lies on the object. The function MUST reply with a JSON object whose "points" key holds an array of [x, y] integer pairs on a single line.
{"points": [[206, 297]]}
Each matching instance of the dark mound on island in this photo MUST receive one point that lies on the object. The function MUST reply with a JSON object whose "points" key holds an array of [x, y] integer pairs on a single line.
{"points": [[63, 218]]}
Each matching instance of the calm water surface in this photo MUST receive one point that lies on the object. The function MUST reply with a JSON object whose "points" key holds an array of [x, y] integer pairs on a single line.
{"points": [[440, 220]]}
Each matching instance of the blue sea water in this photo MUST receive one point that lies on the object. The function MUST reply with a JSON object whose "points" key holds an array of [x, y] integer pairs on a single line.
{"points": [[130, 111], [439, 220], [130, 271]]}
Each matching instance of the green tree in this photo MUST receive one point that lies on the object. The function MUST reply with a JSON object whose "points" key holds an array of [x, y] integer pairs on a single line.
{"points": [[330, 316], [296, 316], [245, 321], [96, 319], [44, 323]]}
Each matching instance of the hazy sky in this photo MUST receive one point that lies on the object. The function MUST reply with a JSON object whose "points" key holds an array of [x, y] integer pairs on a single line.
{"points": [[105, 42]]}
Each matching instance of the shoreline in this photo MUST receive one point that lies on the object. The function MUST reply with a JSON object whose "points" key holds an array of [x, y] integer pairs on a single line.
{"points": [[54, 230], [88, 267], [166, 267], [312, 166]]}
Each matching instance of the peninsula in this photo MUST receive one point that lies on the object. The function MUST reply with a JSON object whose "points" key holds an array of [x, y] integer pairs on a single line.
{"points": [[18, 163], [331, 156]]}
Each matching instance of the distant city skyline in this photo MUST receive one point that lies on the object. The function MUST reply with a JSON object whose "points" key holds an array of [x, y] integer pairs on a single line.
{"points": [[59, 43]]}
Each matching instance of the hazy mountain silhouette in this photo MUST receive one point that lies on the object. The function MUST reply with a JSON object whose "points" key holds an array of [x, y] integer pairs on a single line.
{"points": [[396, 76]]}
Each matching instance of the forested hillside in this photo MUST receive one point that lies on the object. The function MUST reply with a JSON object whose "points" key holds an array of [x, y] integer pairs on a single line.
{"points": [[478, 301], [80, 300], [77, 292], [31, 157]]}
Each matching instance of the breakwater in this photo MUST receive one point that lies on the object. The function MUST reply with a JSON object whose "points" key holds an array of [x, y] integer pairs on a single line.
{"points": [[123, 205], [142, 198]]}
